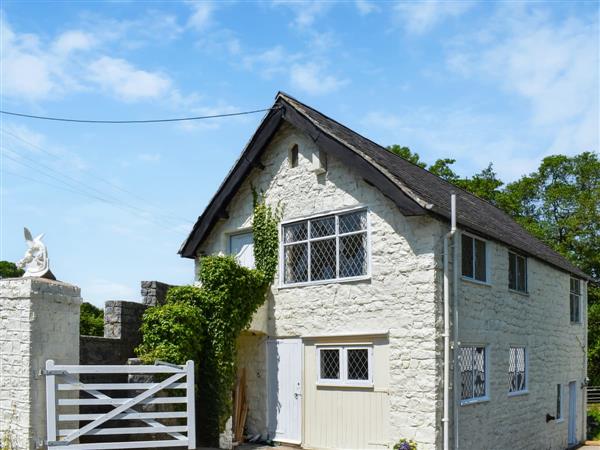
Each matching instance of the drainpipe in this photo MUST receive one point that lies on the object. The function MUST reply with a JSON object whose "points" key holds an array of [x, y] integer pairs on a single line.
{"points": [[455, 342], [449, 235]]}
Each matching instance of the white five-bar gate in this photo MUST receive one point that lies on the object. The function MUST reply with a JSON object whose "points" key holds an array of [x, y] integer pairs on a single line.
{"points": [[61, 378]]}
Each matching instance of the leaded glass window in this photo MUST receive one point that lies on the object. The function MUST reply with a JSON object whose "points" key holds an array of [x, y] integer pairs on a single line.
{"points": [[326, 248], [517, 370], [517, 272], [345, 365], [472, 363]]}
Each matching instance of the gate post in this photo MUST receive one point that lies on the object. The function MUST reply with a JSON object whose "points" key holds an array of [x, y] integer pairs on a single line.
{"points": [[191, 408], [39, 320]]}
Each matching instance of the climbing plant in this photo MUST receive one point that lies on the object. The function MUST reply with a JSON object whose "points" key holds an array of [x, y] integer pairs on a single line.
{"points": [[203, 323]]}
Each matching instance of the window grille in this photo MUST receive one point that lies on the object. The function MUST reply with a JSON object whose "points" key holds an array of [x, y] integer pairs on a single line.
{"points": [[575, 300], [517, 370], [517, 272], [472, 363], [326, 248], [345, 365], [474, 264]]}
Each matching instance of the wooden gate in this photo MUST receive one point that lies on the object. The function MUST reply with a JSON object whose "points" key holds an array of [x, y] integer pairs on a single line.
{"points": [[61, 378]]}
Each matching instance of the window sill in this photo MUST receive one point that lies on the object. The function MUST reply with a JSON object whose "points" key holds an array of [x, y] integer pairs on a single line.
{"points": [[561, 420], [320, 282], [514, 291], [518, 393], [474, 401], [344, 386], [576, 323], [474, 281]]}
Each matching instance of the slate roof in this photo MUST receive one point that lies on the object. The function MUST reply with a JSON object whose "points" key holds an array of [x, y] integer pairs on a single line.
{"points": [[430, 194]]}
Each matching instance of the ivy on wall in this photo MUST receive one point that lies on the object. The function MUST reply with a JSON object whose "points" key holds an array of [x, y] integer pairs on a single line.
{"points": [[203, 323]]}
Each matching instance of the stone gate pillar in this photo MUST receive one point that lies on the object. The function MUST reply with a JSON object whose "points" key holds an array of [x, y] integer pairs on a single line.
{"points": [[39, 320]]}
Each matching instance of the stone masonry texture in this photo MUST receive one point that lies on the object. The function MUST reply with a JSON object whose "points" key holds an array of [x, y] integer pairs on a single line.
{"points": [[39, 320]]}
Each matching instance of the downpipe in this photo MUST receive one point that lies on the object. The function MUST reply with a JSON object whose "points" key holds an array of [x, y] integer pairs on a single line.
{"points": [[449, 236]]}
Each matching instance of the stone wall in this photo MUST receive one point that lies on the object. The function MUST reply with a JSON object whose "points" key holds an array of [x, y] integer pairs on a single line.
{"points": [[39, 320], [154, 292], [400, 297], [492, 315], [122, 321]]}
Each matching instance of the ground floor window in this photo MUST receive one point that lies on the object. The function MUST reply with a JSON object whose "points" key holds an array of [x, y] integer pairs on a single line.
{"points": [[559, 402], [346, 365], [517, 370], [473, 373]]}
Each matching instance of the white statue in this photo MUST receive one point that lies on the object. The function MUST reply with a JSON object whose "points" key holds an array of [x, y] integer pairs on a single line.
{"points": [[35, 262]]}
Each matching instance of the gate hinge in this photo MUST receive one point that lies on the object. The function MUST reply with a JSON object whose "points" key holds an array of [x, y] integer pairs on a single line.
{"points": [[53, 372]]}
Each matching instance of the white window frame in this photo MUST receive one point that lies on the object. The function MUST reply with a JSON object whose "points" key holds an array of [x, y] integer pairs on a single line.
{"points": [[515, 289], [233, 234], [560, 416], [336, 213], [526, 389], [343, 360], [488, 260], [579, 320], [486, 363]]}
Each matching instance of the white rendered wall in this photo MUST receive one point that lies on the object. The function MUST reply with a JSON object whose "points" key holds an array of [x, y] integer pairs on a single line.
{"points": [[39, 320]]}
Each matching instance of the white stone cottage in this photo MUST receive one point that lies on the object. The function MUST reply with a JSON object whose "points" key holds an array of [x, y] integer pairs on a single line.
{"points": [[349, 350]]}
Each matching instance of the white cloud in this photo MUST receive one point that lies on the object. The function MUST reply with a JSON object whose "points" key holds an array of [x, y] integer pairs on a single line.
{"points": [[126, 81], [201, 14], [73, 40], [420, 17], [305, 12], [311, 78], [365, 7], [553, 66]]}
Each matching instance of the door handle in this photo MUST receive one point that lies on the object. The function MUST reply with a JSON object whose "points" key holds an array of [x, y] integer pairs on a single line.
{"points": [[296, 395]]}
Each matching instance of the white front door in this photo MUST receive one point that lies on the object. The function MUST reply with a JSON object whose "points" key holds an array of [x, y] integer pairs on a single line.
{"points": [[285, 390], [572, 412]]}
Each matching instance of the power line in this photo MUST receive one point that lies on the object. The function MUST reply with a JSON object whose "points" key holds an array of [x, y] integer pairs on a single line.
{"points": [[179, 119], [110, 183]]}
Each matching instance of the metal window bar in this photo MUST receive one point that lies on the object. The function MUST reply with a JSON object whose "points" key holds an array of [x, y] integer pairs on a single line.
{"points": [[123, 408]]}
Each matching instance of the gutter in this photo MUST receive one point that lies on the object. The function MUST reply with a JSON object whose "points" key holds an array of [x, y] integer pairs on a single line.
{"points": [[451, 235]]}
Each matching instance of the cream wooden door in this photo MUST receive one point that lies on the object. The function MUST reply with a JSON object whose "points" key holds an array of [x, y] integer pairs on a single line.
{"points": [[285, 390]]}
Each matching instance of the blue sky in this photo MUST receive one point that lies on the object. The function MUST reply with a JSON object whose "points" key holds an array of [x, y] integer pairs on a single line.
{"points": [[481, 82]]}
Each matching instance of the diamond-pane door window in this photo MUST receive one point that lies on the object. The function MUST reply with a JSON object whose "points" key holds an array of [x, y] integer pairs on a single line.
{"points": [[330, 364], [517, 367], [358, 364]]}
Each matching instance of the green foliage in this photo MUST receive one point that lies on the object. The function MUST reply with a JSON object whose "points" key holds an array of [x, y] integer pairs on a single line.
{"points": [[593, 423], [406, 153], [594, 343], [203, 323], [91, 320], [265, 231], [9, 270]]}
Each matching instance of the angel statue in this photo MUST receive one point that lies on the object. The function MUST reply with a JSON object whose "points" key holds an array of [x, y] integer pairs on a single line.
{"points": [[35, 262]]}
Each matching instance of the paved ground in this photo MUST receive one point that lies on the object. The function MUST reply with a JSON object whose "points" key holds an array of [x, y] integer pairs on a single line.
{"points": [[592, 445]]}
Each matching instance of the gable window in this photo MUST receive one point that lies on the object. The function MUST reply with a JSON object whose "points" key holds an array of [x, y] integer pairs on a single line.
{"points": [[241, 245], [559, 402], [517, 272], [473, 373], [517, 370], [326, 248], [474, 264], [575, 300], [293, 156], [346, 365]]}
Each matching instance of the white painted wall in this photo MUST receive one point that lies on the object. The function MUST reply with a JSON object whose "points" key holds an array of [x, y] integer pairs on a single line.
{"points": [[39, 320], [401, 296], [493, 315]]}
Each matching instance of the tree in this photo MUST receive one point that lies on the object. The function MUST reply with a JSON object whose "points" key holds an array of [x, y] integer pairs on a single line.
{"points": [[406, 153], [91, 320], [9, 270]]}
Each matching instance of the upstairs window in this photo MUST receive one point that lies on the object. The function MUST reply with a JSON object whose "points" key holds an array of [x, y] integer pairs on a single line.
{"points": [[575, 300], [517, 272], [241, 246], [517, 370], [345, 365], [473, 373], [326, 248], [559, 402], [474, 264], [293, 156]]}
